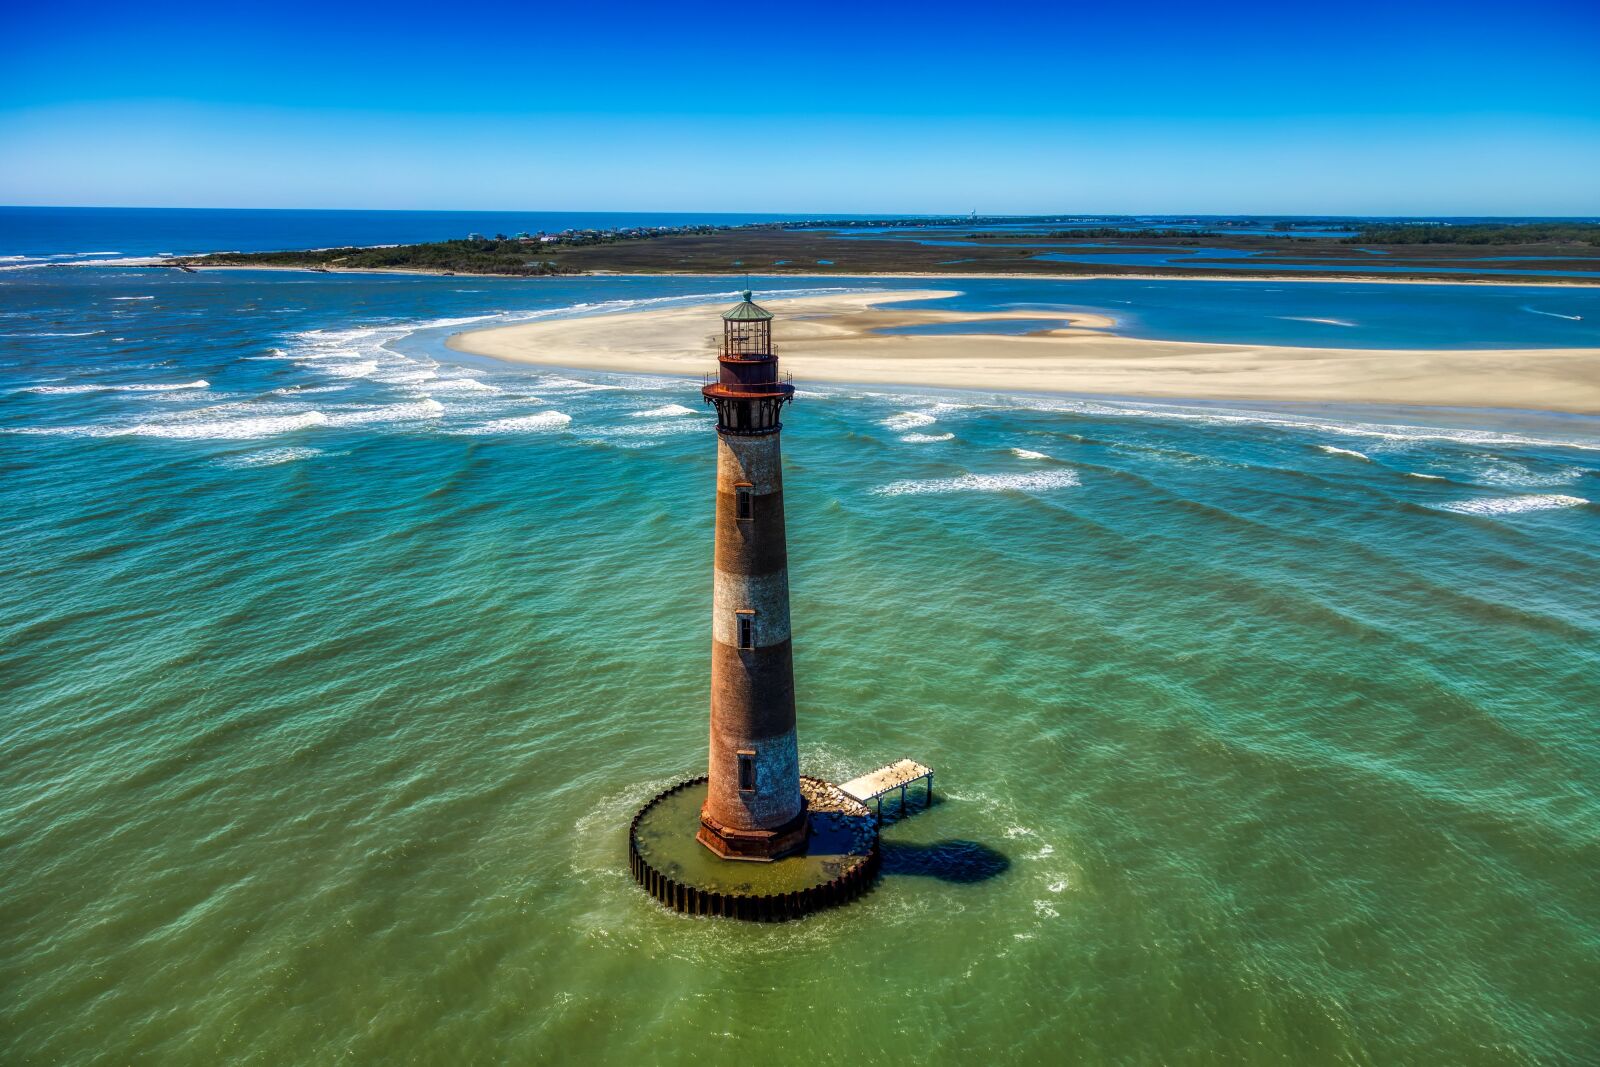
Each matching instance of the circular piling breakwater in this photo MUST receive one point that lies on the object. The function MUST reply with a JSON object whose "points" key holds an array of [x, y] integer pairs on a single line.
{"points": [[838, 863]]}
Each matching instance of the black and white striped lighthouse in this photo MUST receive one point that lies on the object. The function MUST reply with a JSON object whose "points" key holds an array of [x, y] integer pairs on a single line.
{"points": [[753, 809]]}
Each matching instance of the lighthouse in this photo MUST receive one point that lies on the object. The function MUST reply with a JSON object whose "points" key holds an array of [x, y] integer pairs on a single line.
{"points": [[805, 843], [754, 809]]}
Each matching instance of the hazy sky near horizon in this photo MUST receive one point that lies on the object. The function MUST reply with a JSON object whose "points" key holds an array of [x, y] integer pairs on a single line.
{"points": [[1260, 107]]}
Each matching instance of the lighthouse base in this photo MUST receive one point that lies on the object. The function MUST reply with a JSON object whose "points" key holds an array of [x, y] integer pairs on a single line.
{"points": [[836, 861], [754, 846]]}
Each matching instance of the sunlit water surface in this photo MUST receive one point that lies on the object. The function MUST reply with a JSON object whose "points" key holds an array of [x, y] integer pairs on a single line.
{"points": [[333, 669]]}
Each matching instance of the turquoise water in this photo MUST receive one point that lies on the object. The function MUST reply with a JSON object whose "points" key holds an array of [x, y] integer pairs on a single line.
{"points": [[334, 668]]}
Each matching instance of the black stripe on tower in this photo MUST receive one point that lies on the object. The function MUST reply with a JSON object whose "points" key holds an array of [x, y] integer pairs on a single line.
{"points": [[752, 546], [757, 700]]}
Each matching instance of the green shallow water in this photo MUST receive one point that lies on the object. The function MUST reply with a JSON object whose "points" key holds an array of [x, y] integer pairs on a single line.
{"points": [[1262, 736]]}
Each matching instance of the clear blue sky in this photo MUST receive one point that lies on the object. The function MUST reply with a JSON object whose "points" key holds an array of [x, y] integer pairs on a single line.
{"points": [[1263, 107]]}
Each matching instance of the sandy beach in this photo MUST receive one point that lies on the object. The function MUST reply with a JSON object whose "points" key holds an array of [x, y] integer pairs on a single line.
{"points": [[837, 338]]}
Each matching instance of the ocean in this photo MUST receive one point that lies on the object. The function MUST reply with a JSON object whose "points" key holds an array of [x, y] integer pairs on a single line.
{"points": [[31, 236], [334, 664]]}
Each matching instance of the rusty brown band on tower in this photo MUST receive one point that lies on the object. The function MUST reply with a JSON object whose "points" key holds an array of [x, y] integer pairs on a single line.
{"points": [[753, 808]]}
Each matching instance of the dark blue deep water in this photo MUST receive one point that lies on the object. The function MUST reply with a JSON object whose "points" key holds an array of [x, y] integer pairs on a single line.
{"points": [[29, 234]]}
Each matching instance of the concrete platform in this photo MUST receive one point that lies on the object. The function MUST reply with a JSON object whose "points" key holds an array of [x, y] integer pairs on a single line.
{"points": [[837, 864]]}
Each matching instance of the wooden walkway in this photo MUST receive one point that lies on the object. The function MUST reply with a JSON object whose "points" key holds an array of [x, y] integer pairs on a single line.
{"points": [[896, 775]]}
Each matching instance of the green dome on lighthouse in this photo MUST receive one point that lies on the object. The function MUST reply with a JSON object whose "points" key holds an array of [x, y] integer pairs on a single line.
{"points": [[746, 310]]}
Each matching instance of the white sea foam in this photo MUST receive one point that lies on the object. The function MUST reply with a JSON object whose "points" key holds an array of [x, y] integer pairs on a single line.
{"points": [[309, 390], [228, 429], [270, 457], [426, 408], [1025, 453], [133, 298], [58, 259], [1509, 474], [1325, 322], [907, 420], [1334, 450], [462, 385], [1429, 477], [664, 412], [194, 429], [136, 387], [362, 369], [407, 376], [1036, 482], [572, 385], [60, 333], [661, 428], [1513, 505], [1553, 314], [925, 438], [544, 421]]}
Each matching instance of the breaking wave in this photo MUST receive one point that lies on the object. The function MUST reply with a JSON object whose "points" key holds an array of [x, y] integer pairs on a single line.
{"points": [[1037, 482], [908, 420], [1513, 505], [362, 369], [270, 457], [426, 408], [462, 385], [194, 430], [544, 421], [89, 387]]}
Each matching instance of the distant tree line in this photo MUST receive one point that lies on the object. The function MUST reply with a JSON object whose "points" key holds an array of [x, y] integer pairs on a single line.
{"points": [[1102, 232], [1094, 231], [466, 256], [1525, 233]]}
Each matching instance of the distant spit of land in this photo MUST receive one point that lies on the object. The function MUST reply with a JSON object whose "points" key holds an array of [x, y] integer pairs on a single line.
{"points": [[842, 338], [1419, 251]]}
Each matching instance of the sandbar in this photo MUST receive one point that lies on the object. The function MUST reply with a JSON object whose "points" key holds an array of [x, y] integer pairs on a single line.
{"points": [[838, 338]]}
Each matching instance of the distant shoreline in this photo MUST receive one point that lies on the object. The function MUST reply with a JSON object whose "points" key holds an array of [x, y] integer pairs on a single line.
{"points": [[841, 338], [1209, 276]]}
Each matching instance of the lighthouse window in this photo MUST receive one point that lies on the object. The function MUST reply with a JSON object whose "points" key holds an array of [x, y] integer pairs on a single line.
{"points": [[747, 771], [747, 629], [745, 501]]}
